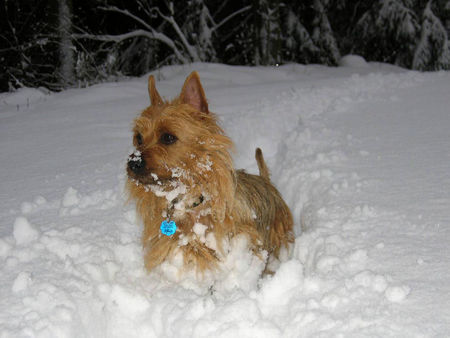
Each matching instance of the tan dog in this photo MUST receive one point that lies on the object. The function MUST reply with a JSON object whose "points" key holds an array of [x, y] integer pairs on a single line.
{"points": [[188, 194]]}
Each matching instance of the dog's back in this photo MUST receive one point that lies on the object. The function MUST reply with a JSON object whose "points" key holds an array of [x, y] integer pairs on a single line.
{"points": [[260, 205]]}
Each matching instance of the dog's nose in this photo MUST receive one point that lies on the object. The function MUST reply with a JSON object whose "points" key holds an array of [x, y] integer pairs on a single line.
{"points": [[136, 165]]}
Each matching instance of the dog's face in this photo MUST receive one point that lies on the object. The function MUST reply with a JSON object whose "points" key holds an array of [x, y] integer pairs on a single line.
{"points": [[172, 138], [164, 145]]}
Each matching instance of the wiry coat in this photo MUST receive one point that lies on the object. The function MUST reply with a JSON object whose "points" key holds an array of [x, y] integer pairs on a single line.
{"points": [[192, 181]]}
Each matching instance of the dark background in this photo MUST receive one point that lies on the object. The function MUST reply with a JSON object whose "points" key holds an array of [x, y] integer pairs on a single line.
{"points": [[64, 43]]}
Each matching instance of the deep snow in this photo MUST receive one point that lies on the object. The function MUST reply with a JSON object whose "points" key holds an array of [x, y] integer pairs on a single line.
{"points": [[360, 153]]}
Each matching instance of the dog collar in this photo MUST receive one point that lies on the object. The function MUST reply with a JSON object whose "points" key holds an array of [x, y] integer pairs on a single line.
{"points": [[168, 227]]}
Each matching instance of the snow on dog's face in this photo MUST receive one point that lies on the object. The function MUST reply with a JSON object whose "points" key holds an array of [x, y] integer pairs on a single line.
{"points": [[174, 139]]}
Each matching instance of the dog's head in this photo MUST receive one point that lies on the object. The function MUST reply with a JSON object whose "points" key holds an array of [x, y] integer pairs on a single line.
{"points": [[173, 139]]}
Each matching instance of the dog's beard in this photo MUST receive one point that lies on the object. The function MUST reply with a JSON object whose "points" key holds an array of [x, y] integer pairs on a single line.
{"points": [[144, 179], [160, 186]]}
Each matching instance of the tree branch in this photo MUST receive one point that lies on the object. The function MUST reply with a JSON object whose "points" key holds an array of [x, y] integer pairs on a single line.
{"points": [[136, 33], [191, 50], [229, 17]]}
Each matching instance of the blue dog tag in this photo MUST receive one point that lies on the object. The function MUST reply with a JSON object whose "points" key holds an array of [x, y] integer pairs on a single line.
{"points": [[168, 228]]}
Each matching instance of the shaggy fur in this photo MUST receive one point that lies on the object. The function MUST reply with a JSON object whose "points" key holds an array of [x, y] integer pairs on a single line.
{"points": [[182, 171]]}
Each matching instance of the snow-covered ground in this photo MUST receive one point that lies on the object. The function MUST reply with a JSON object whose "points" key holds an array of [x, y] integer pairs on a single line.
{"points": [[360, 153]]}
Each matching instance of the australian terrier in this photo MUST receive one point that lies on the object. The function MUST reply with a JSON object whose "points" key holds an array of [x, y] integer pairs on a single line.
{"points": [[188, 195]]}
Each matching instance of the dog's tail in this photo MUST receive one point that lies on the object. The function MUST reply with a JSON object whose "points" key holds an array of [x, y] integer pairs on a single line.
{"points": [[263, 170]]}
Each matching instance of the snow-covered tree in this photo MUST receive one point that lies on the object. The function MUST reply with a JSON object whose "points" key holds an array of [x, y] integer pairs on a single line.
{"points": [[447, 16], [387, 32], [235, 29], [66, 47], [433, 49], [323, 36], [199, 27], [267, 32], [28, 44], [298, 45]]}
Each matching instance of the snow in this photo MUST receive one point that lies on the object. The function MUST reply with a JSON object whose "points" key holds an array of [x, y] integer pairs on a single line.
{"points": [[353, 61], [397, 293], [199, 229], [24, 232], [70, 198], [23, 97], [359, 152], [21, 283]]}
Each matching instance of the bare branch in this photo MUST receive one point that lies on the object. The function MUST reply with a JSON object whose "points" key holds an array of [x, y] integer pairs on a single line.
{"points": [[136, 33], [191, 50], [229, 17]]}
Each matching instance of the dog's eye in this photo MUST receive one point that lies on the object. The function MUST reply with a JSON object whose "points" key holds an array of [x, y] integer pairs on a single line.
{"points": [[139, 139], [167, 139]]}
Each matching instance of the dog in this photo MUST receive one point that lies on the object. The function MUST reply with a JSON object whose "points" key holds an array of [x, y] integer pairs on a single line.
{"points": [[188, 195]]}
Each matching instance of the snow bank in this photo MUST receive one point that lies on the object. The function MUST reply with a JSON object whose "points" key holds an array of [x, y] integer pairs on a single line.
{"points": [[350, 60], [24, 97]]}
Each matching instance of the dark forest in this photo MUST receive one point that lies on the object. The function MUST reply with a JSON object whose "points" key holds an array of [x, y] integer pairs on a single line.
{"points": [[58, 44]]}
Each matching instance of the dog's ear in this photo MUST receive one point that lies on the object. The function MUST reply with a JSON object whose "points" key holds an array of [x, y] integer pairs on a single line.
{"points": [[193, 93], [155, 98]]}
